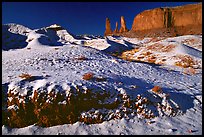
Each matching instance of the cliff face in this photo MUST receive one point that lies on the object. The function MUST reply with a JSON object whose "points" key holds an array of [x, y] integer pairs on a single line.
{"points": [[149, 19], [182, 19], [187, 15]]}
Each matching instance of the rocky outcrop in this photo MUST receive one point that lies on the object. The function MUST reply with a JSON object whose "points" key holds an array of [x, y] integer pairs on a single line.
{"points": [[123, 25], [55, 27], [116, 28], [108, 30], [179, 20], [122, 30], [165, 22]]}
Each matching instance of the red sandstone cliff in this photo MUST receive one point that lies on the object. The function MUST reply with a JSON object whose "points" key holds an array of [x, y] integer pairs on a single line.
{"points": [[182, 20]]}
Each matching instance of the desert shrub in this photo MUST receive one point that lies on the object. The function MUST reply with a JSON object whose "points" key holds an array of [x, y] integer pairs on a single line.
{"points": [[56, 48], [156, 89], [129, 54], [185, 61], [190, 71], [88, 76], [26, 76], [81, 58], [151, 60], [46, 109], [190, 41], [168, 48], [140, 57], [29, 40], [163, 59], [147, 53], [38, 110]]}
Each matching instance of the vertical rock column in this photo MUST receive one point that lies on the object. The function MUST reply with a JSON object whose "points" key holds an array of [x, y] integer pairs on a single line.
{"points": [[123, 25], [108, 30], [116, 28]]}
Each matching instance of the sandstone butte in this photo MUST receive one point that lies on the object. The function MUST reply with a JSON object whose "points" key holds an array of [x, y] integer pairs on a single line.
{"points": [[174, 21]]}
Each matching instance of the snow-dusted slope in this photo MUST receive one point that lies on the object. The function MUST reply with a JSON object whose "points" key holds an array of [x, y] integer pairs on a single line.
{"points": [[14, 36], [16, 28], [17, 36], [177, 107], [109, 44], [50, 36], [183, 51]]}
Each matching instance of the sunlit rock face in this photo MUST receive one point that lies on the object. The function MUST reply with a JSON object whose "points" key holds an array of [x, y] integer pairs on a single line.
{"points": [[108, 27], [183, 20], [116, 28], [123, 25], [165, 22]]}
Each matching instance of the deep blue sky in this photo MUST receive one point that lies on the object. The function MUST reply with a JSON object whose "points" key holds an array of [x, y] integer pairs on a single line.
{"points": [[76, 17]]}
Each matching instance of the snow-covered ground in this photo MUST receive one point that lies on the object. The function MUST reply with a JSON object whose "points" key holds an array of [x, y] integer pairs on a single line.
{"points": [[59, 60]]}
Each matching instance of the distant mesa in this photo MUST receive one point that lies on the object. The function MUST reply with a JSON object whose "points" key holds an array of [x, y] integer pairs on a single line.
{"points": [[175, 21]]}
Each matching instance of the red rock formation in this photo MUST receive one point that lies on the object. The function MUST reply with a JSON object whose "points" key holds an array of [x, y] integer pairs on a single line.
{"points": [[181, 20], [108, 30], [123, 25], [116, 28]]}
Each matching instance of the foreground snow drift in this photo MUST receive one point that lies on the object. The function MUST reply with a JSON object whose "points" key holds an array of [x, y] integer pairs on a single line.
{"points": [[89, 91], [62, 68]]}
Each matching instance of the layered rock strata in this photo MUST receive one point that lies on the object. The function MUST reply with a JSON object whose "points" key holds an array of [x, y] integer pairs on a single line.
{"points": [[179, 20], [165, 22]]}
